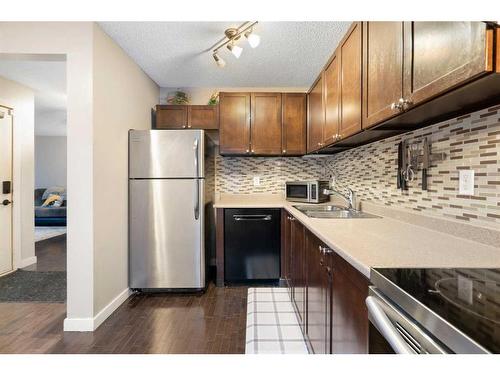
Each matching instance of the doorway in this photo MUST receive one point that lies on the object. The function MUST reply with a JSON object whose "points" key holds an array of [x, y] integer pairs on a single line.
{"points": [[6, 254]]}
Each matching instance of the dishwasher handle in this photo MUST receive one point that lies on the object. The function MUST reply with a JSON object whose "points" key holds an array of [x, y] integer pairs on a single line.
{"points": [[252, 217]]}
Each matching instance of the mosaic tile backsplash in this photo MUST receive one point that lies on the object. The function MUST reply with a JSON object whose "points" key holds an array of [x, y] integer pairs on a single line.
{"points": [[469, 142]]}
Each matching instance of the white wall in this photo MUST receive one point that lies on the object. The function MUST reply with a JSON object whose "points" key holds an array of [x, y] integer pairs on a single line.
{"points": [[50, 161], [22, 100], [123, 98]]}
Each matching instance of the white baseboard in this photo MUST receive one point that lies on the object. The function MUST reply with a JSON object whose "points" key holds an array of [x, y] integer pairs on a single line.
{"points": [[27, 262], [91, 324]]}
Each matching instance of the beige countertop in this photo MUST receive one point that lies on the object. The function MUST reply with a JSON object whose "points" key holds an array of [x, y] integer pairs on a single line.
{"points": [[380, 242]]}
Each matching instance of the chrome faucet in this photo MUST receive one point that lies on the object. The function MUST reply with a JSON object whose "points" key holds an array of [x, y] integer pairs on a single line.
{"points": [[350, 198]]}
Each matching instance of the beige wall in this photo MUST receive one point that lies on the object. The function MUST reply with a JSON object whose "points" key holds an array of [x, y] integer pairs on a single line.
{"points": [[50, 161], [73, 41], [22, 100], [123, 98], [107, 94]]}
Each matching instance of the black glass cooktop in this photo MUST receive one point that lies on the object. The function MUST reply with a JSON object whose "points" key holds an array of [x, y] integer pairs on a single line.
{"points": [[469, 299]]}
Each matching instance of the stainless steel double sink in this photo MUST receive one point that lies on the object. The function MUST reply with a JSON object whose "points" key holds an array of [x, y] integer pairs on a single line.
{"points": [[332, 212]]}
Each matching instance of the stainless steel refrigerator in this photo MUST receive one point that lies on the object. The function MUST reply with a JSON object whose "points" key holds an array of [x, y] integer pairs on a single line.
{"points": [[167, 212]]}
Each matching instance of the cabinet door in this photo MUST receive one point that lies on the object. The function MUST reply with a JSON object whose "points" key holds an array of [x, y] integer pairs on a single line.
{"points": [[382, 70], [266, 124], [349, 312], [350, 75], [203, 116], [441, 55], [171, 116], [294, 124], [286, 247], [316, 119], [234, 111], [332, 101], [316, 296], [298, 270]]}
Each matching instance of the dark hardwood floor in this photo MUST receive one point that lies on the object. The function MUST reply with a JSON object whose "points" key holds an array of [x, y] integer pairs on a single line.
{"points": [[213, 322], [50, 254]]}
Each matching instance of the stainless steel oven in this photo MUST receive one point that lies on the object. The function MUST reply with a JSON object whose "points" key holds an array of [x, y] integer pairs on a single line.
{"points": [[307, 191]]}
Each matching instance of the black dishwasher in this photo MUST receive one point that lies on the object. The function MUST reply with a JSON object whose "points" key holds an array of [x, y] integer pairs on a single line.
{"points": [[252, 244]]}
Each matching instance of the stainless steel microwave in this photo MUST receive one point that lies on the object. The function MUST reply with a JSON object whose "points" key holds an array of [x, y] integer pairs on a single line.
{"points": [[307, 191]]}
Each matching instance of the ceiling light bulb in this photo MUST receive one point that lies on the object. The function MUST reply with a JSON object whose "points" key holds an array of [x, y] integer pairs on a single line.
{"points": [[219, 61], [235, 50], [253, 39]]}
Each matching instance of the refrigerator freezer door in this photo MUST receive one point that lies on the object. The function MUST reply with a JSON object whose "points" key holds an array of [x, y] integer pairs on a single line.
{"points": [[166, 245], [166, 153]]}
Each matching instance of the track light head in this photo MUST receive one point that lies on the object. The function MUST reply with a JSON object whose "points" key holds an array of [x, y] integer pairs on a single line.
{"points": [[235, 50], [219, 60], [253, 39]]}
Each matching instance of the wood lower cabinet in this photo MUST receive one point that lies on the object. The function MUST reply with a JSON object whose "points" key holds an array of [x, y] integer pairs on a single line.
{"points": [[171, 116], [349, 313], [327, 292], [319, 295], [439, 56], [234, 123], [298, 269], [350, 51], [316, 116], [294, 118], [265, 124], [382, 70]]}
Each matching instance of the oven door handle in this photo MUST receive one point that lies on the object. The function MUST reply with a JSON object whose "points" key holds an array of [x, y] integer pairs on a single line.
{"points": [[384, 325]]}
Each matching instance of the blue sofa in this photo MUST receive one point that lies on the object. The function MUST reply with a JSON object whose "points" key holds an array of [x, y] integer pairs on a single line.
{"points": [[49, 216]]}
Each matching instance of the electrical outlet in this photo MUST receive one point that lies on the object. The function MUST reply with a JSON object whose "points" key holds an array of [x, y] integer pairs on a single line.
{"points": [[256, 180], [466, 182]]}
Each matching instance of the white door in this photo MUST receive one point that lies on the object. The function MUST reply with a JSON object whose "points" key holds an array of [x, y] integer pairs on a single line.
{"points": [[5, 190]]}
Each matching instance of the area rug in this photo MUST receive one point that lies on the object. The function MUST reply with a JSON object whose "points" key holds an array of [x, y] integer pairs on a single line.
{"points": [[44, 233], [33, 286], [272, 327]]}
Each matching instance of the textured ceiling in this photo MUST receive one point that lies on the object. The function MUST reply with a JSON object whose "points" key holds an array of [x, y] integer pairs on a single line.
{"points": [[174, 54], [48, 81]]}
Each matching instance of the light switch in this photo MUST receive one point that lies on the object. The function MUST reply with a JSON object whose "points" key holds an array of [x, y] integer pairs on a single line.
{"points": [[466, 182], [256, 180]]}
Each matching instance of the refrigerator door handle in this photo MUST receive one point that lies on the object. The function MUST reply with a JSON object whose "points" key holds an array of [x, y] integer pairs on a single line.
{"points": [[197, 200], [197, 190], [196, 163]]}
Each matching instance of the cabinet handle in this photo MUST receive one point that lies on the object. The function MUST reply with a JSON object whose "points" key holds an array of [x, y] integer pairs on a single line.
{"points": [[284, 151], [189, 126], [253, 151], [248, 151], [183, 126], [407, 103], [399, 105]]}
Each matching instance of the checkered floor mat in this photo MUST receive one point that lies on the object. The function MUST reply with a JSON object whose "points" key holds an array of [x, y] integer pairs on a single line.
{"points": [[272, 327]]}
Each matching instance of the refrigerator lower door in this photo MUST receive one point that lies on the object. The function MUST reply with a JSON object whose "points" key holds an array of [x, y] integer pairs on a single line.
{"points": [[166, 229]]}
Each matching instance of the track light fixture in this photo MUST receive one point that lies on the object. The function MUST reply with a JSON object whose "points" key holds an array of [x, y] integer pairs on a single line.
{"points": [[230, 40], [219, 61]]}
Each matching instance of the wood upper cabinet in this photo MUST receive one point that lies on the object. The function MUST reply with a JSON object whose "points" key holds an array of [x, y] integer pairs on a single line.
{"points": [[203, 117], [171, 116], [316, 113], [187, 117], [265, 123], [294, 112], [382, 70], [439, 56], [234, 123], [350, 53], [332, 101]]}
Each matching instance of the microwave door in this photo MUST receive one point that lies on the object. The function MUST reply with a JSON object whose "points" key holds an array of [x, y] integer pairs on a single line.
{"points": [[298, 192]]}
